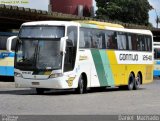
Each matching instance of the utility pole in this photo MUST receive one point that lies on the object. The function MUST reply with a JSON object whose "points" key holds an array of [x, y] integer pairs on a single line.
{"points": [[157, 21], [157, 18]]}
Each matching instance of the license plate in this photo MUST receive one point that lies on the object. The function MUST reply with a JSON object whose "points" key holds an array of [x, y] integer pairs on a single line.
{"points": [[35, 83]]}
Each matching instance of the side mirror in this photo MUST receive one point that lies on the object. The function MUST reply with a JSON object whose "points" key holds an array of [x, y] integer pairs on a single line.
{"points": [[9, 43], [63, 44]]}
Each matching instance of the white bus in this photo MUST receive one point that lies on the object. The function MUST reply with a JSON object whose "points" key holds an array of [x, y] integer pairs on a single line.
{"points": [[156, 46], [81, 55]]}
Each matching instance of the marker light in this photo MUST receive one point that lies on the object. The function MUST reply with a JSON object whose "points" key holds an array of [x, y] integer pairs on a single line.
{"points": [[17, 74], [55, 75]]}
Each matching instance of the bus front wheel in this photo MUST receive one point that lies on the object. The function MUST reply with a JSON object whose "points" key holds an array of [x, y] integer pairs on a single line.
{"points": [[81, 86]]}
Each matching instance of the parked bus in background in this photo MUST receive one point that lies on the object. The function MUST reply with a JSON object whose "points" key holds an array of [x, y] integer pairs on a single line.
{"points": [[156, 46], [82, 55], [6, 58]]}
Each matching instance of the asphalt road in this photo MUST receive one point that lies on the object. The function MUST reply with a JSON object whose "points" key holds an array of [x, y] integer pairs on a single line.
{"points": [[14, 101]]}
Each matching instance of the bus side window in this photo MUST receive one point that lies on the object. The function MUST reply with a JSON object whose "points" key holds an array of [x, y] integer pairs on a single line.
{"points": [[81, 40], [148, 43], [94, 40], [129, 42], [103, 40], [156, 53], [71, 48], [111, 40], [86, 40], [3, 41], [141, 43], [121, 41], [134, 41], [99, 40], [13, 44]]}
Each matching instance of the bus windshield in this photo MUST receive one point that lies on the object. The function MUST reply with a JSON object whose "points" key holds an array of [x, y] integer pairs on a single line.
{"points": [[38, 48], [39, 54]]}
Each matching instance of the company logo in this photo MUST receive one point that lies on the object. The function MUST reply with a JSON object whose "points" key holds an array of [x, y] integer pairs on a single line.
{"points": [[131, 57], [134, 57]]}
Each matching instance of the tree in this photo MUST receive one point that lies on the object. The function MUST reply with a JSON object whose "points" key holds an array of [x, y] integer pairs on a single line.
{"points": [[128, 11]]}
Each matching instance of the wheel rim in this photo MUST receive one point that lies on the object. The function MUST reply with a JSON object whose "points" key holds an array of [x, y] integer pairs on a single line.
{"points": [[81, 86], [138, 81], [131, 82]]}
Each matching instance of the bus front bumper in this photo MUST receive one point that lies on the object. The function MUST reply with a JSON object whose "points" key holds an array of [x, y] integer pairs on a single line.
{"points": [[51, 83]]}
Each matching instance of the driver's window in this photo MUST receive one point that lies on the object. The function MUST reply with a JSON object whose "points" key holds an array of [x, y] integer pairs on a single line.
{"points": [[71, 48], [13, 44]]}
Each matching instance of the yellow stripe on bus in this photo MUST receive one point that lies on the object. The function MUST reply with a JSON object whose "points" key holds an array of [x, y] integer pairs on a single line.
{"points": [[101, 24], [121, 72]]}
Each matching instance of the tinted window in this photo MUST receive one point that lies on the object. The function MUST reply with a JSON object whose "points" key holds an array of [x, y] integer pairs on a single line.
{"points": [[72, 35], [13, 44], [81, 39], [111, 40], [129, 38], [141, 43], [148, 41], [121, 41], [71, 48], [107, 39], [156, 53], [85, 38], [94, 38], [3, 41]]}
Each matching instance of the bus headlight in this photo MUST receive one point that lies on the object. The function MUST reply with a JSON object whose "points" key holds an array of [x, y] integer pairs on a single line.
{"points": [[56, 75], [17, 74]]}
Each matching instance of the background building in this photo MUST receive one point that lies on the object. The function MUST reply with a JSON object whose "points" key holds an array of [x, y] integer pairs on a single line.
{"points": [[74, 7]]}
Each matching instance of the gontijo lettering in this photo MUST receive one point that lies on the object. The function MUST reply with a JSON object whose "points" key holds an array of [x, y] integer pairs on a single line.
{"points": [[124, 57]]}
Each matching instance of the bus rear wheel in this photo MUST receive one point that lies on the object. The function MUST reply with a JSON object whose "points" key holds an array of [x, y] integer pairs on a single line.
{"points": [[137, 82], [82, 87], [131, 82]]}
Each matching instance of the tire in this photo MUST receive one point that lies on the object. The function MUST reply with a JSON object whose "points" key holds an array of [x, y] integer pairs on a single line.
{"points": [[81, 86], [40, 91], [131, 82], [137, 82]]}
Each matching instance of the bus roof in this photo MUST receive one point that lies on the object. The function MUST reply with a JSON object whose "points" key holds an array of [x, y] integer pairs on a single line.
{"points": [[58, 23], [111, 26], [138, 31], [89, 24], [102, 25]]}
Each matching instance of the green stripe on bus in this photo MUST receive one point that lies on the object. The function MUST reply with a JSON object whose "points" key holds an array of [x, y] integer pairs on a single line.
{"points": [[99, 66], [102, 67], [108, 75]]}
